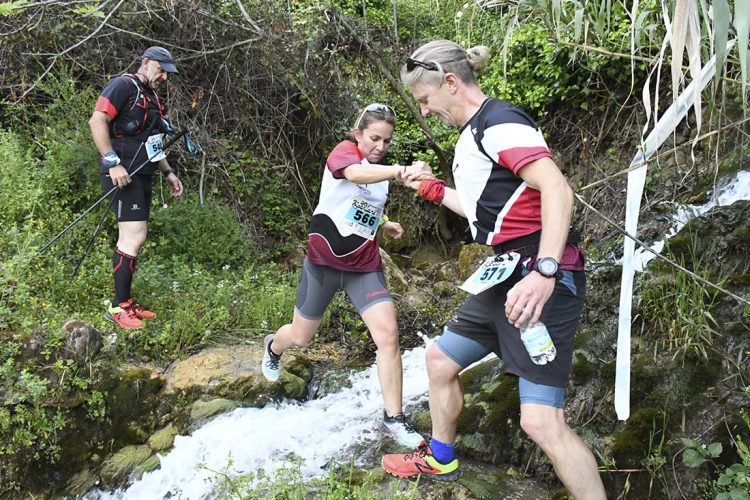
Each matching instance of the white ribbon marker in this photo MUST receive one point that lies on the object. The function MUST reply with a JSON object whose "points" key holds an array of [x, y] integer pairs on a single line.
{"points": [[636, 180]]}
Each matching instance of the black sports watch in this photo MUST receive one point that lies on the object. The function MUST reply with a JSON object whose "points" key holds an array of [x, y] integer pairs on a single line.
{"points": [[547, 267]]}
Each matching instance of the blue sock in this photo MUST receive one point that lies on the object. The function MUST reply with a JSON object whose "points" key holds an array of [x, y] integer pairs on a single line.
{"points": [[443, 452]]}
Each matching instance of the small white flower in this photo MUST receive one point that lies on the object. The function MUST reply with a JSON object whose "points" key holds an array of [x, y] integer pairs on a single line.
{"points": [[175, 285]]}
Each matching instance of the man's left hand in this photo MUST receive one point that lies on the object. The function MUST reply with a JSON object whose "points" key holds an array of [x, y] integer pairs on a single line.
{"points": [[175, 185], [526, 299]]}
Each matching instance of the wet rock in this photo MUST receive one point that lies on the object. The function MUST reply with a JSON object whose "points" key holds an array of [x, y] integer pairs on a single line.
{"points": [[201, 410], [399, 285], [163, 439], [151, 464], [117, 467], [83, 342], [233, 372]]}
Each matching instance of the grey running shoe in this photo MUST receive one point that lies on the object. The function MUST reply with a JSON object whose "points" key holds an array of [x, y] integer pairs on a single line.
{"points": [[401, 431], [271, 366]]}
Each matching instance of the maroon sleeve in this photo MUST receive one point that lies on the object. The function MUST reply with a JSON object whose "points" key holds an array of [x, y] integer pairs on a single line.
{"points": [[344, 154], [115, 96]]}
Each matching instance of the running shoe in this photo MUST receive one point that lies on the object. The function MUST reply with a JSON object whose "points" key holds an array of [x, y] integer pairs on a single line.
{"points": [[420, 462], [124, 315], [271, 366], [401, 431], [142, 313]]}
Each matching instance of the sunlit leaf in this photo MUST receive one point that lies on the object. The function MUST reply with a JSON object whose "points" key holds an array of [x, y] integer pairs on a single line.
{"points": [[12, 8], [721, 32], [742, 24]]}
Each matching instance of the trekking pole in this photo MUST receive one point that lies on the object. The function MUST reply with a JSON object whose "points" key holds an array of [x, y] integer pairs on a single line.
{"points": [[91, 240], [171, 141]]}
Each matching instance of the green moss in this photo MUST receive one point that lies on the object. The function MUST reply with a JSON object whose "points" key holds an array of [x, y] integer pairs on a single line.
{"points": [[470, 417], [582, 370], [482, 485], [631, 443]]}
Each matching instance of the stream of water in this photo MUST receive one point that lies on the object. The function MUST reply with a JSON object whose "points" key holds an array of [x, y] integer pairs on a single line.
{"points": [[728, 190], [264, 439]]}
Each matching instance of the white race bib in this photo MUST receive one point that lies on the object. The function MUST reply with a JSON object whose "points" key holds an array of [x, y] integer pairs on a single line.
{"points": [[155, 147], [494, 270], [363, 218]]}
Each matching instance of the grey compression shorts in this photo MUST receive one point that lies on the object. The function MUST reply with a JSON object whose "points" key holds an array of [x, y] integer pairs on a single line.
{"points": [[318, 284]]}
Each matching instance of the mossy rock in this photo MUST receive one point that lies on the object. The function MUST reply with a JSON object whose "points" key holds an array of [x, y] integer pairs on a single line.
{"points": [[117, 467], [151, 464], [202, 410], [631, 443], [163, 439], [469, 259]]}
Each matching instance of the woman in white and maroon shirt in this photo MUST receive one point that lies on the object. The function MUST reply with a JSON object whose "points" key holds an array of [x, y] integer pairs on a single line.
{"points": [[343, 254]]}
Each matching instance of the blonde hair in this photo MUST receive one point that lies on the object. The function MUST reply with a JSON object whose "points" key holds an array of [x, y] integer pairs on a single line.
{"points": [[447, 57]]}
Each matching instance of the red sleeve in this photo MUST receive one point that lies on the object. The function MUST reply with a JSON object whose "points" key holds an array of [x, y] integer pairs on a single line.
{"points": [[344, 154], [115, 96]]}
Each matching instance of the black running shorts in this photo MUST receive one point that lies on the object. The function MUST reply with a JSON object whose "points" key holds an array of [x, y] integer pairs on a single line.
{"points": [[318, 284], [133, 202], [482, 318]]}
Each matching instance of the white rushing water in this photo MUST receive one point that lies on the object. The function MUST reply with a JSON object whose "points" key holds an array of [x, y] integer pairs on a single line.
{"points": [[264, 439], [728, 190]]}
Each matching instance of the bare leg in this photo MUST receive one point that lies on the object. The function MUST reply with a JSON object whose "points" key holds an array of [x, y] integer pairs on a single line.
{"points": [[131, 236], [573, 461], [299, 332], [446, 394], [380, 319]]}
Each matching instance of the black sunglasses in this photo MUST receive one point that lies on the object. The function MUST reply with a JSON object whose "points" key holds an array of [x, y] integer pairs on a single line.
{"points": [[412, 64]]}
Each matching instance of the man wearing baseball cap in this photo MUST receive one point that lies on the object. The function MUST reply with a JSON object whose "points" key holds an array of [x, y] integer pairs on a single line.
{"points": [[128, 127]]}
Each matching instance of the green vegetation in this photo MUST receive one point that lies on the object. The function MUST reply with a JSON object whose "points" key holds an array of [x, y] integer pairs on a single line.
{"points": [[342, 482], [275, 85]]}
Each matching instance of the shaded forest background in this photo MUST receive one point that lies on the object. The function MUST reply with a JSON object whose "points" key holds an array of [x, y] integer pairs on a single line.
{"points": [[272, 86]]}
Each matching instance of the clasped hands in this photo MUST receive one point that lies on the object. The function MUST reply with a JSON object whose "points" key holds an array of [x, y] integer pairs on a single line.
{"points": [[414, 173]]}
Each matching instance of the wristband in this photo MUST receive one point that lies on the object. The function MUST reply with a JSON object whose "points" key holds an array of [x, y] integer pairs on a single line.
{"points": [[168, 171], [383, 220], [110, 160], [432, 190]]}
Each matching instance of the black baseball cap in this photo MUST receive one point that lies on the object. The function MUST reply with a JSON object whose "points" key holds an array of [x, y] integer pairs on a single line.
{"points": [[166, 61]]}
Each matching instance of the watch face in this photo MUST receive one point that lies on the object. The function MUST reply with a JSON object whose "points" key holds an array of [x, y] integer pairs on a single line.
{"points": [[547, 266]]}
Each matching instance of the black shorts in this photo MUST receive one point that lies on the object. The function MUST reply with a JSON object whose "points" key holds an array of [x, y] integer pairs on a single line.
{"points": [[133, 202], [482, 318], [318, 284]]}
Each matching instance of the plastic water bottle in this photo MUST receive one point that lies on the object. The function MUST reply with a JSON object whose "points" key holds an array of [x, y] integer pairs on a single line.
{"points": [[538, 343]]}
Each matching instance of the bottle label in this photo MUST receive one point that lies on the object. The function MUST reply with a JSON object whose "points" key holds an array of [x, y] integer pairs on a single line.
{"points": [[538, 344]]}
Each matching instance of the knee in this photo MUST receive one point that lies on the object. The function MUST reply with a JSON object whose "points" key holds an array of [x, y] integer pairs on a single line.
{"points": [[540, 427], [300, 337], [439, 366], [388, 339]]}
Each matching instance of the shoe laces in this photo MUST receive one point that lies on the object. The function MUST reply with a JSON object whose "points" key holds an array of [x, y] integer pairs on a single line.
{"points": [[128, 309], [400, 419], [272, 360], [422, 450]]}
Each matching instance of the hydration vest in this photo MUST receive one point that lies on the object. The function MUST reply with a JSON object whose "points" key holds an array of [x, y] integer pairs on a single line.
{"points": [[137, 121]]}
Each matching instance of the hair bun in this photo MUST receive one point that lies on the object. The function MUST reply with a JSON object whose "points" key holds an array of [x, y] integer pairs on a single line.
{"points": [[478, 58]]}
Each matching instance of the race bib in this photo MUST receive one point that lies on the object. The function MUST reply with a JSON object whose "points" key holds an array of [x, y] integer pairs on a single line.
{"points": [[493, 270], [363, 218], [155, 147]]}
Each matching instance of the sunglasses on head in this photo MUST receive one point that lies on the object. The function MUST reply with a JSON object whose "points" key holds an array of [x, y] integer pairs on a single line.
{"points": [[376, 106], [412, 64]]}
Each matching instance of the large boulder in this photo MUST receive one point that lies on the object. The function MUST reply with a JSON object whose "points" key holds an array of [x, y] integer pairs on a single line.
{"points": [[233, 372]]}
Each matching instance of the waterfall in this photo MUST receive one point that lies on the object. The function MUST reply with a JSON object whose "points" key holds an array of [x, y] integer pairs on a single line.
{"points": [[730, 189]]}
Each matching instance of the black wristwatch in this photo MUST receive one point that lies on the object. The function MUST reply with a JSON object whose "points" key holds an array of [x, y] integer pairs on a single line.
{"points": [[547, 267]]}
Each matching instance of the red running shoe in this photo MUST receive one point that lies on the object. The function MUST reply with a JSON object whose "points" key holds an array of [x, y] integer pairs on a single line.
{"points": [[124, 315], [142, 313], [420, 462]]}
